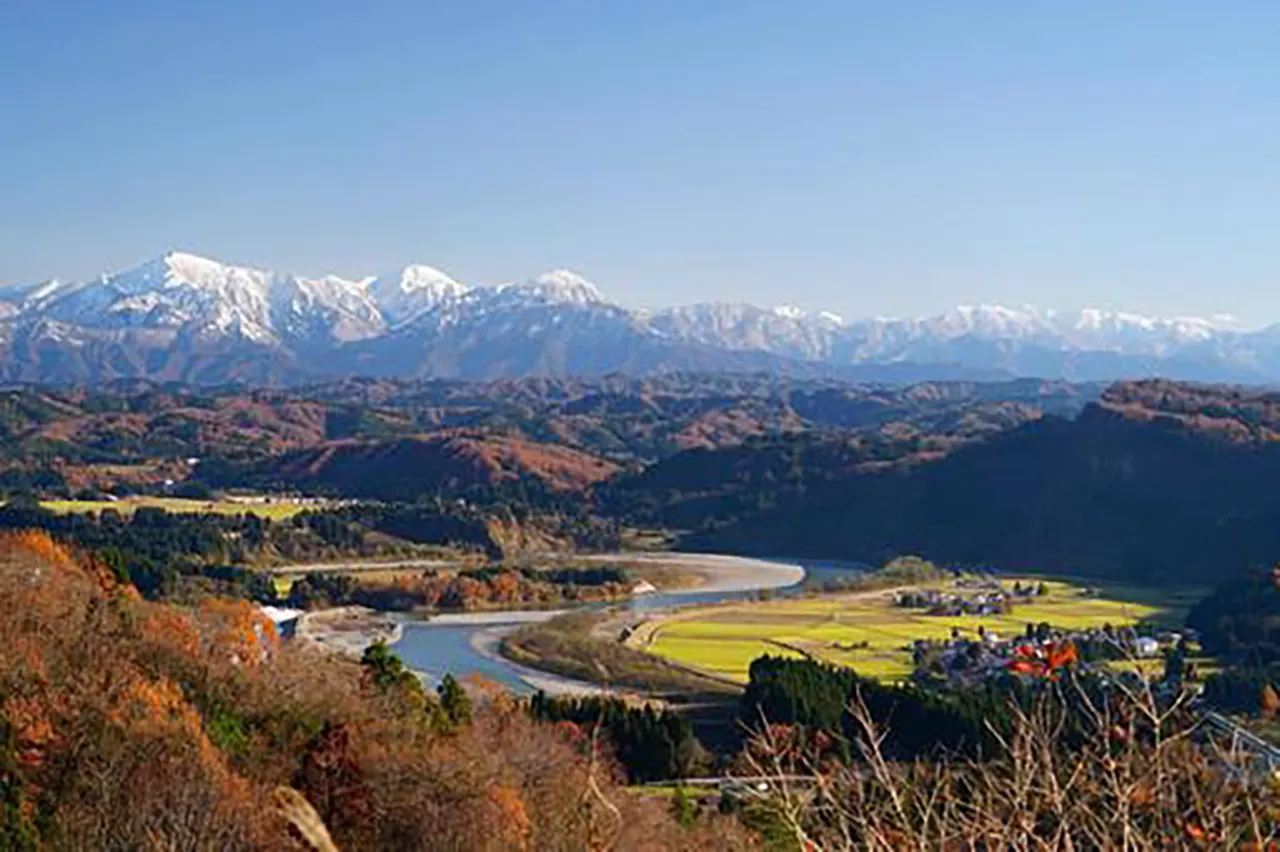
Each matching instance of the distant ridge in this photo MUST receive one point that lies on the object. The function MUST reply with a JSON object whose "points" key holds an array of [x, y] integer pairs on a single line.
{"points": [[191, 318]]}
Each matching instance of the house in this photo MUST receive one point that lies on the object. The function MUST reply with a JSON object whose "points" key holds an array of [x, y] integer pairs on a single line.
{"points": [[1146, 646]]}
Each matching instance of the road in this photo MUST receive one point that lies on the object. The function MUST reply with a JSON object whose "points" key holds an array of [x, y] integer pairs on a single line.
{"points": [[357, 567]]}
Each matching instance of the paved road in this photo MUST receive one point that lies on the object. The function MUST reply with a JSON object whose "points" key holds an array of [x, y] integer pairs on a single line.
{"points": [[356, 567]]}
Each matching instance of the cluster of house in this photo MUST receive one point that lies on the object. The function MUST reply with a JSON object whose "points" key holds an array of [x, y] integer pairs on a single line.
{"points": [[979, 597], [965, 660]]}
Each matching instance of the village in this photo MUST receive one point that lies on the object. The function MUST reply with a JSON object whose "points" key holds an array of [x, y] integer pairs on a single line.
{"points": [[973, 655]]}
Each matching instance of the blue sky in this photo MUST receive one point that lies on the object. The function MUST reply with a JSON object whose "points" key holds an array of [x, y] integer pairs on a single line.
{"points": [[867, 157]]}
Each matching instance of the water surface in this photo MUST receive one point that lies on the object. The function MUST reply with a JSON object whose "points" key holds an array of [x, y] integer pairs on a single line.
{"points": [[467, 644]]}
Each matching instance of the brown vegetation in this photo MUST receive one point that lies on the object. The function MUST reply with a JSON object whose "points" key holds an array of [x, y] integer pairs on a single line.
{"points": [[436, 462], [1144, 779], [134, 725], [1234, 413]]}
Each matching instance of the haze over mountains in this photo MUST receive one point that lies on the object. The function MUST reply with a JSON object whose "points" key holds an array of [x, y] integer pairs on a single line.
{"points": [[184, 317]]}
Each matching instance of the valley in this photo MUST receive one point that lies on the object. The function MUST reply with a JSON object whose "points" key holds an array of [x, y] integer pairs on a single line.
{"points": [[676, 558], [639, 427]]}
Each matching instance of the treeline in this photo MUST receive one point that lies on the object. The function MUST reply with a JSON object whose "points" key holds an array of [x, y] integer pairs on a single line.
{"points": [[154, 549], [652, 745], [404, 470], [161, 553], [468, 589], [164, 553], [915, 721], [1240, 620], [918, 723], [457, 522]]}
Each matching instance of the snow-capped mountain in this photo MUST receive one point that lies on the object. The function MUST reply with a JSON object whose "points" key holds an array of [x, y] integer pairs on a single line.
{"points": [[186, 317], [784, 330], [413, 290]]}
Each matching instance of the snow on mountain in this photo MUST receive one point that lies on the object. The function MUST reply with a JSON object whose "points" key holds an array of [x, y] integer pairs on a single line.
{"points": [[184, 316], [563, 286], [785, 330], [411, 291], [177, 291], [329, 308]]}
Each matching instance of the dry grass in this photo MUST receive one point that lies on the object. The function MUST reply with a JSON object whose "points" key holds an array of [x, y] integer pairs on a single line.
{"points": [[1146, 779]]}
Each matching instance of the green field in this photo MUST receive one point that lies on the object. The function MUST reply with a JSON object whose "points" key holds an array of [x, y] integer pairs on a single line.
{"points": [[866, 632], [127, 505]]}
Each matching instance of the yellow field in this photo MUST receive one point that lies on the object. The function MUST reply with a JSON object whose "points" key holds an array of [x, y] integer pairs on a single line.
{"points": [[283, 585], [864, 631], [127, 505]]}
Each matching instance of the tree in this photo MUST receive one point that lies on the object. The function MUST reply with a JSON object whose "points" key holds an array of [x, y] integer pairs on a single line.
{"points": [[454, 701], [16, 829]]}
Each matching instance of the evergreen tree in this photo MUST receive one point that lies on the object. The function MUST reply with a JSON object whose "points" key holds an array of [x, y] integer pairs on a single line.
{"points": [[454, 701]]}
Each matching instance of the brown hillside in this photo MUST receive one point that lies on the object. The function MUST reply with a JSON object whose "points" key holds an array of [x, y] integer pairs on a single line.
{"points": [[406, 467], [1234, 413]]}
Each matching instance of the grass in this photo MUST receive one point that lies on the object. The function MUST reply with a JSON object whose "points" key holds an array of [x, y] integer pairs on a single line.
{"points": [[867, 633], [127, 505]]}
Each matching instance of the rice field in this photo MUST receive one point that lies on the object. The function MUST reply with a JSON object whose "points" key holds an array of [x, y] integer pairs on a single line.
{"points": [[865, 631], [275, 511]]}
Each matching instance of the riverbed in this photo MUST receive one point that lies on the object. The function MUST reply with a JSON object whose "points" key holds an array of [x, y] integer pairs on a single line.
{"points": [[466, 643]]}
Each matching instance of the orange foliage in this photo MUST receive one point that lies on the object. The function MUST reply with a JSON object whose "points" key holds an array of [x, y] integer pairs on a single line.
{"points": [[512, 823], [32, 727], [143, 725], [39, 545], [237, 631], [505, 588], [1043, 662], [171, 629]]}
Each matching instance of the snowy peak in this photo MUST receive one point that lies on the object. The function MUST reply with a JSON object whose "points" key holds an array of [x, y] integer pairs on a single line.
{"points": [[178, 269], [412, 291], [181, 307], [564, 286], [784, 330]]}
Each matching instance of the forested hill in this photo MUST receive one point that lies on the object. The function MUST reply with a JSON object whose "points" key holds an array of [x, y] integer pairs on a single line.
{"points": [[1156, 482], [61, 441]]}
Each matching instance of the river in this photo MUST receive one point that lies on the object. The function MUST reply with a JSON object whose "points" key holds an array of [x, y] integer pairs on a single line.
{"points": [[464, 644]]}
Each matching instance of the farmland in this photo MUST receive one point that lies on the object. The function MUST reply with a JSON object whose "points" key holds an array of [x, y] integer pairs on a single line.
{"points": [[276, 510], [867, 632]]}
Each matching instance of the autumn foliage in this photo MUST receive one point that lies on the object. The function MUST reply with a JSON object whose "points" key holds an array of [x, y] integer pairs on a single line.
{"points": [[126, 724]]}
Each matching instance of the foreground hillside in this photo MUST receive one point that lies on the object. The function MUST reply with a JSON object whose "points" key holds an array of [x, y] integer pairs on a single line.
{"points": [[133, 725]]}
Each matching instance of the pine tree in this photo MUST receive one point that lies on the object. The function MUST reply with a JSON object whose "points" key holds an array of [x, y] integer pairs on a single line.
{"points": [[454, 701]]}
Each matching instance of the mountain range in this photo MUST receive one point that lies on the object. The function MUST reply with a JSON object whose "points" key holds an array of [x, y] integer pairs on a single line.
{"points": [[189, 318]]}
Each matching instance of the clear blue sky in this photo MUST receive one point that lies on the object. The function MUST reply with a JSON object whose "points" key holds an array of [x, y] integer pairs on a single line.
{"points": [[868, 157]]}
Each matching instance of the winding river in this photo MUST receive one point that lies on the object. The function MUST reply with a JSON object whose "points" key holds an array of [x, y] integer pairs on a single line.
{"points": [[468, 643]]}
